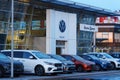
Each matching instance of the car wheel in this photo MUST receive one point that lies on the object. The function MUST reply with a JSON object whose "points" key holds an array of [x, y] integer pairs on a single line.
{"points": [[97, 67], [39, 70], [112, 66], [79, 69]]}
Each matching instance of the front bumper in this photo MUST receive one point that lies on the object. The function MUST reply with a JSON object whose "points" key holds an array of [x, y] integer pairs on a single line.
{"points": [[57, 68], [69, 68]]}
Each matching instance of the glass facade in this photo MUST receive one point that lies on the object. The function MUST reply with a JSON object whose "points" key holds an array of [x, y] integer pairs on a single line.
{"points": [[30, 22], [108, 36], [117, 37], [28, 19], [85, 38]]}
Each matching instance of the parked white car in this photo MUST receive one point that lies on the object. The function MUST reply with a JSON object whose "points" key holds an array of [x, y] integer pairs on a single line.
{"points": [[102, 55], [36, 62]]}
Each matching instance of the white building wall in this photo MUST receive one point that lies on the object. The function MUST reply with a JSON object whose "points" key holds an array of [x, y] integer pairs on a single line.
{"points": [[53, 32], [72, 34], [50, 32], [39, 43]]}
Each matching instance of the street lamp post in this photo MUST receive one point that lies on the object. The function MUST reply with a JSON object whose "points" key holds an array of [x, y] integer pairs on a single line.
{"points": [[12, 37], [94, 42]]}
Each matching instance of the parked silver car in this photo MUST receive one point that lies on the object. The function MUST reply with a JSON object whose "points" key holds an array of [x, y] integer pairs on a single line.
{"points": [[68, 65]]}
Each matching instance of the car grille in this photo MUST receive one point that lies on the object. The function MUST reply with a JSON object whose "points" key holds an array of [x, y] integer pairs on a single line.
{"points": [[70, 65], [59, 69], [58, 65]]}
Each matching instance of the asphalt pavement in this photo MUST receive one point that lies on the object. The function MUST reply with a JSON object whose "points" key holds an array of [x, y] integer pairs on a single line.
{"points": [[74, 76]]}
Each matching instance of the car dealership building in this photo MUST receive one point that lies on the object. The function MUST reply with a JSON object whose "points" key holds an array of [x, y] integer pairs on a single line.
{"points": [[51, 26]]}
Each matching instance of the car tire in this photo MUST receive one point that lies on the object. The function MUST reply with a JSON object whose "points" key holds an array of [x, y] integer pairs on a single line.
{"points": [[39, 70], [97, 67], [113, 66], [80, 69]]}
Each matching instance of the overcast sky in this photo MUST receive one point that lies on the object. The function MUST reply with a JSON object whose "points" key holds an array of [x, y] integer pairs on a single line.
{"points": [[106, 4]]}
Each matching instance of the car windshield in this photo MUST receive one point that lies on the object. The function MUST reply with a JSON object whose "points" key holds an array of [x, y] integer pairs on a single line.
{"points": [[41, 55], [107, 55], [3, 57], [77, 57], [94, 57], [58, 57]]}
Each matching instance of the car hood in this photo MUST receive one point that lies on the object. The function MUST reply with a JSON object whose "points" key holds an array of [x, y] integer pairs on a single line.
{"points": [[51, 60], [5, 61], [87, 62], [67, 62]]}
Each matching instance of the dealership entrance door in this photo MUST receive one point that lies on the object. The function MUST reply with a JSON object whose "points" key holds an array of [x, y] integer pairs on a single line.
{"points": [[61, 47]]}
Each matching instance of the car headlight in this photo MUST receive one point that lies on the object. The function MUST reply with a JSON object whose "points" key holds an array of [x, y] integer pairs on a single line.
{"points": [[118, 60], [49, 63]]}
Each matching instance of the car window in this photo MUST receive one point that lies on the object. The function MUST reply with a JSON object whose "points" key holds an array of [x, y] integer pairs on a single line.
{"points": [[87, 57], [7, 53], [107, 55], [115, 55], [3, 57], [93, 57], [18, 54], [27, 55], [41, 55], [99, 56]]}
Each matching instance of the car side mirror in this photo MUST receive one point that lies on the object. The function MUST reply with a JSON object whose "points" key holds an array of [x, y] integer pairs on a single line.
{"points": [[31, 57], [103, 57]]}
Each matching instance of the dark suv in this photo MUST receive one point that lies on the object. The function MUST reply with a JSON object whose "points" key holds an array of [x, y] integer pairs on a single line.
{"points": [[5, 66], [100, 64]]}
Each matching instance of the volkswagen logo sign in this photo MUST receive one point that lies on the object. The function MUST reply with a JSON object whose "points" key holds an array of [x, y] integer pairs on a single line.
{"points": [[62, 26]]}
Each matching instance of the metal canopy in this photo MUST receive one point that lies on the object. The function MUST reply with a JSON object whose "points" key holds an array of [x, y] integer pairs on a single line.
{"points": [[82, 6], [101, 39]]}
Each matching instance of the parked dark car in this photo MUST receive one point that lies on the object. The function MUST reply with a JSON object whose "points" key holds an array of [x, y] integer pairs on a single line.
{"points": [[80, 63], [69, 66], [100, 64], [5, 66], [105, 56], [115, 54]]}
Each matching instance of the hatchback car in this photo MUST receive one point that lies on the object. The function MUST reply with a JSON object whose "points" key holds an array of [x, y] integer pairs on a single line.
{"points": [[69, 66], [100, 64], [80, 63], [5, 66], [105, 56], [36, 62]]}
